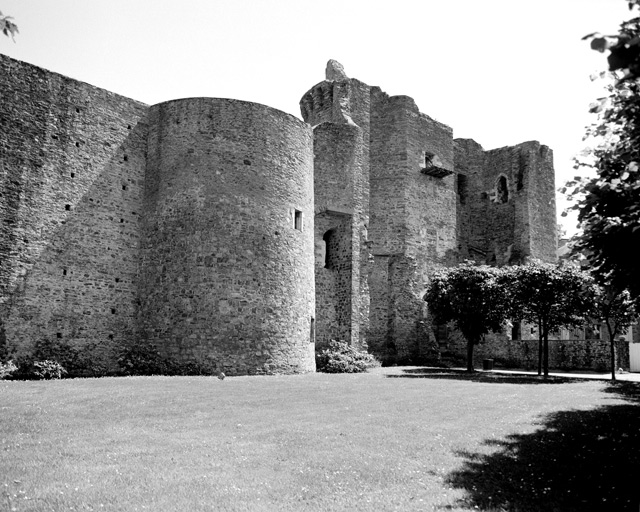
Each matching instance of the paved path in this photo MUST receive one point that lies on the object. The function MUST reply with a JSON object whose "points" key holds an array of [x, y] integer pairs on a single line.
{"points": [[634, 377], [396, 370]]}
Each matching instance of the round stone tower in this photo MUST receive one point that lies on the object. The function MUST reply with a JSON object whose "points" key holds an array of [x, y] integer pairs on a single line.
{"points": [[227, 271]]}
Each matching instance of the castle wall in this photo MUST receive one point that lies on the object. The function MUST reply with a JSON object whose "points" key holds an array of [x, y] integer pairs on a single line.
{"points": [[413, 224], [472, 230], [339, 112], [564, 354], [333, 271], [388, 157], [504, 213], [541, 218], [198, 224], [71, 181], [338, 151], [226, 273], [506, 223]]}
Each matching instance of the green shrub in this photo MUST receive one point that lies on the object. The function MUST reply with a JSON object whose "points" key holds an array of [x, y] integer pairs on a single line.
{"points": [[206, 367], [340, 357], [48, 369], [77, 361], [6, 369], [142, 359]]}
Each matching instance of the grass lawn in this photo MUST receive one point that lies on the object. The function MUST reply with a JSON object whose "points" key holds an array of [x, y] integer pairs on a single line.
{"points": [[394, 439]]}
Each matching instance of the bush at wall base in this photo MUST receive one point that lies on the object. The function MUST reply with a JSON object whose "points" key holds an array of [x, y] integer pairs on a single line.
{"points": [[7, 369], [340, 357], [26, 368], [48, 369], [144, 359]]}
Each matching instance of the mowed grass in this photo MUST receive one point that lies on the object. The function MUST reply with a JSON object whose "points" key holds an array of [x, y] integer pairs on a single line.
{"points": [[394, 439]]}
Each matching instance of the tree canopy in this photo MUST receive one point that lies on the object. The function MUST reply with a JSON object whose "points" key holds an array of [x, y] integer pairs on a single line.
{"points": [[8, 27], [608, 204], [616, 311], [549, 296], [472, 298]]}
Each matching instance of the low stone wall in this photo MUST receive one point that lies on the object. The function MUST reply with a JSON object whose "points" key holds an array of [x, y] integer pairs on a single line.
{"points": [[578, 354]]}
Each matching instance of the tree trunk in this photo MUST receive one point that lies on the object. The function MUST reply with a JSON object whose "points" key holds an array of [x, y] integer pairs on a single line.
{"points": [[539, 347], [470, 356], [545, 337], [612, 344], [613, 359]]}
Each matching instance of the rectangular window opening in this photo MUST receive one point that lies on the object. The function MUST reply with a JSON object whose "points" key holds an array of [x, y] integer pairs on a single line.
{"points": [[515, 331], [297, 220]]}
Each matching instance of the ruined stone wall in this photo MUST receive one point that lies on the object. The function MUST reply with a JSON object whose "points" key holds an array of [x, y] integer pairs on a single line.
{"points": [[413, 224], [338, 150], [227, 274], [503, 200], [339, 111], [506, 227], [469, 166], [388, 158], [71, 182], [509, 211], [194, 227], [333, 275], [541, 201]]}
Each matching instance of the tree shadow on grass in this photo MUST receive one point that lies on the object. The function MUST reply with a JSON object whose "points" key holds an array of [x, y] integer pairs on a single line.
{"points": [[577, 460], [498, 378]]}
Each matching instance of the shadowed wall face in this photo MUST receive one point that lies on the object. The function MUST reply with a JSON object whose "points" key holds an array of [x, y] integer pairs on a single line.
{"points": [[71, 181], [227, 256]]}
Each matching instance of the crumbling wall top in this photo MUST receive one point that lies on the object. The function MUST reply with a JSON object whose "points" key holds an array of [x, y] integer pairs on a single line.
{"points": [[335, 71]]}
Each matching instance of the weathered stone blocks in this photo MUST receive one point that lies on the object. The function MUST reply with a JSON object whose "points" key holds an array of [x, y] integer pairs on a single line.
{"points": [[227, 251], [226, 230], [71, 180]]}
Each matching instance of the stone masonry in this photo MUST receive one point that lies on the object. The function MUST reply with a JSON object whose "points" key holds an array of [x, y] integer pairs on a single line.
{"points": [[226, 230], [397, 197]]}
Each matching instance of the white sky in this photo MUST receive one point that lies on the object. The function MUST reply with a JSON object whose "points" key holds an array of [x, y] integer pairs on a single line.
{"points": [[498, 71]]}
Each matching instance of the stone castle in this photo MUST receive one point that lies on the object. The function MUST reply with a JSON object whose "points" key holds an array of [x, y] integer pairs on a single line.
{"points": [[217, 228]]}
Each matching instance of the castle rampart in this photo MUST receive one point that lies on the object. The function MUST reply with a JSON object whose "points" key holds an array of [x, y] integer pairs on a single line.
{"points": [[225, 230], [189, 224], [227, 253], [71, 179]]}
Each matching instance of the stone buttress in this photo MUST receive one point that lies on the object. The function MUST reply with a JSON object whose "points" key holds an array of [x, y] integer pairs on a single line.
{"points": [[338, 111]]}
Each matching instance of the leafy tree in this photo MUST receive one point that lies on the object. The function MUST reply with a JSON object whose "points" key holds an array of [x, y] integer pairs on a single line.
{"points": [[471, 297], [549, 296], [616, 310], [624, 47], [8, 27], [608, 204]]}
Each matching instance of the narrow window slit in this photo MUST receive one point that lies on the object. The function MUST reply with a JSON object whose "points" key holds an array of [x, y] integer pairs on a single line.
{"points": [[297, 220]]}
